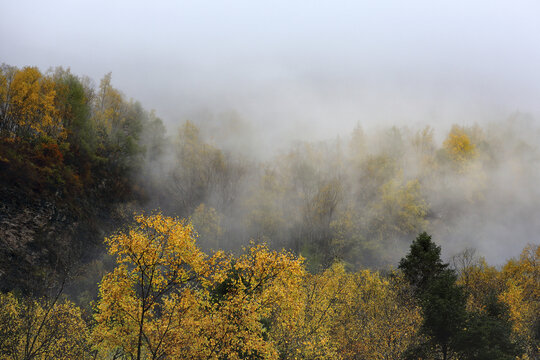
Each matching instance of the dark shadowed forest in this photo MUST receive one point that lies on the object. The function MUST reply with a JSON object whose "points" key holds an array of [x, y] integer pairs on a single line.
{"points": [[121, 238]]}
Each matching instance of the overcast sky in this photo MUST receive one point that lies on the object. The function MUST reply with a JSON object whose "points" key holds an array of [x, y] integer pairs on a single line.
{"points": [[294, 65]]}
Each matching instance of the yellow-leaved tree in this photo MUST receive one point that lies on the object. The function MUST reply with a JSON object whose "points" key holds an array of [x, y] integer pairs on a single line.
{"points": [[28, 103], [39, 329], [166, 299], [522, 295], [142, 299], [352, 315], [458, 145], [241, 302], [380, 318]]}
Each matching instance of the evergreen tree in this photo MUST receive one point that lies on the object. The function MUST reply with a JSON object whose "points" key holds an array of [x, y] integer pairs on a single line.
{"points": [[423, 263], [442, 301]]}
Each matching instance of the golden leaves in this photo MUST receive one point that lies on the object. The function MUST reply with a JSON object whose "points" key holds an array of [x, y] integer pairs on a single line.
{"points": [[522, 295], [458, 145], [40, 329], [141, 298], [348, 315], [28, 100], [167, 297]]}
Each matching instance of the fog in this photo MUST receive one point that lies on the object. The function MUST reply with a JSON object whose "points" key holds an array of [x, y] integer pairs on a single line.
{"points": [[284, 73], [319, 67]]}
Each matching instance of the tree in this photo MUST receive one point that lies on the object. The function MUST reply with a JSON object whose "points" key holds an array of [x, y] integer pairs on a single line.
{"points": [[458, 145], [7, 123], [73, 108], [202, 173], [119, 125], [39, 329], [378, 319], [423, 141], [265, 208], [522, 295], [399, 211], [108, 106], [423, 263], [207, 221], [442, 301], [141, 300], [73, 105], [167, 299], [345, 315], [28, 104], [443, 309], [318, 215], [242, 303], [424, 150]]}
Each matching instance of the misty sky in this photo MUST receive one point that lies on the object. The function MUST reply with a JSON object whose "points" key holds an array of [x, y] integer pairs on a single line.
{"points": [[296, 67]]}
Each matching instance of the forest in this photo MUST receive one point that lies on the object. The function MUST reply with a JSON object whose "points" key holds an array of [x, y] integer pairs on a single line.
{"points": [[122, 238]]}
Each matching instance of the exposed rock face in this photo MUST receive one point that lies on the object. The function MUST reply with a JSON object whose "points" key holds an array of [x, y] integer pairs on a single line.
{"points": [[35, 240]]}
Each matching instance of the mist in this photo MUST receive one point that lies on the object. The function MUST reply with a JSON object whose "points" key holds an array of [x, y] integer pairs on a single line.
{"points": [[326, 65], [264, 83]]}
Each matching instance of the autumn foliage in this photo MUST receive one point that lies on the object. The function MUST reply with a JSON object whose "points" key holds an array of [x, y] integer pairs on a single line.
{"points": [[167, 298]]}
